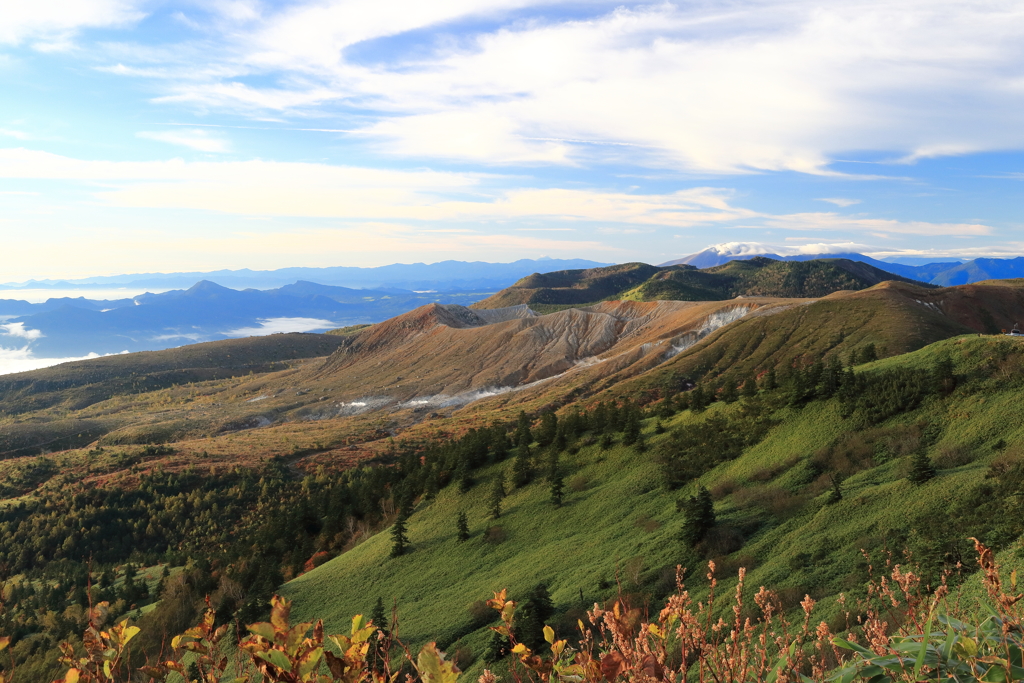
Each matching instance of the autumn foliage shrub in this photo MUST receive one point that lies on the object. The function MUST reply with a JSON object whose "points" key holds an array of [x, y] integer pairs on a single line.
{"points": [[903, 631]]}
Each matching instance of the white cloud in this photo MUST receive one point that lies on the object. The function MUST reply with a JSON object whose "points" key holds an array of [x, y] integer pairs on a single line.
{"points": [[275, 325], [53, 22], [22, 360], [728, 88], [19, 330], [839, 201], [879, 227], [195, 138]]}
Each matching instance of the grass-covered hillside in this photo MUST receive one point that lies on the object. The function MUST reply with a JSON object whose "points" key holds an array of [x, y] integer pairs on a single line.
{"points": [[803, 477], [758, 276]]}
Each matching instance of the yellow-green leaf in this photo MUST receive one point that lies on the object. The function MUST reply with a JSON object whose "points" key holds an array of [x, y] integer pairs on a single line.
{"points": [[262, 629], [277, 658], [433, 668], [72, 676], [129, 633], [310, 661], [549, 634], [519, 649], [4, 642]]}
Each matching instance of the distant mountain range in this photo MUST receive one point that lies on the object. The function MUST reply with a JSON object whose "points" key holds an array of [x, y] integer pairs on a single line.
{"points": [[944, 273], [206, 311], [448, 276]]}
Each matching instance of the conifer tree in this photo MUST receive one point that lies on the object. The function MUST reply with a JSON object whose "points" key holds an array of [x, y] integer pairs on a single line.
{"points": [[868, 353], [606, 441], [921, 467], [548, 428], [770, 381], [699, 399], [522, 466], [667, 408], [537, 610], [943, 379], [556, 480], [599, 419], [464, 476], [498, 647], [682, 402], [831, 378], [462, 527], [659, 428], [700, 517], [498, 445], [729, 394], [497, 495], [523, 433], [399, 539], [631, 429], [749, 387], [561, 441], [379, 617]]}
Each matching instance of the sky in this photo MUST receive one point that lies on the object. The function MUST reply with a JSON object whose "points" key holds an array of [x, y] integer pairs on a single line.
{"points": [[170, 136]]}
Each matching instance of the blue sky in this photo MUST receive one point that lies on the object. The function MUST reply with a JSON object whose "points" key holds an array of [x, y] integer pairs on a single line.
{"points": [[170, 136]]}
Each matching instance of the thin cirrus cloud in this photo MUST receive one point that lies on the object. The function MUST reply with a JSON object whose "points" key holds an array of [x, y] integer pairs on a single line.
{"points": [[53, 22], [839, 201], [196, 138], [755, 85]]}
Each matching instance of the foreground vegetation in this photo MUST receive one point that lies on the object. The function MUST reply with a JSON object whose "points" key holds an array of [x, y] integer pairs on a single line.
{"points": [[906, 634]]}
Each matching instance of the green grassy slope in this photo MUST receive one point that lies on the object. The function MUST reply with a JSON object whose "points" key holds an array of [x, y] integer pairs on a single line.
{"points": [[773, 517], [639, 282]]}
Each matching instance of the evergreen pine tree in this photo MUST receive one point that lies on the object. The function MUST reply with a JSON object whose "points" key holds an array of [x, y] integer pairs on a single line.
{"points": [[464, 476], [682, 402], [631, 429], [921, 467], [659, 428], [561, 442], [523, 433], [498, 647], [699, 399], [749, 387], [606, 441], [831, 378], [379, 617], [868, 353], [770, 381], [462, 527], [943, 379], [537, 610], [599, 418], [667, 408], [548, 428], [399, 539], [700, 517], [556, 480], [522, 466], [498, 445], [497, 495]]}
